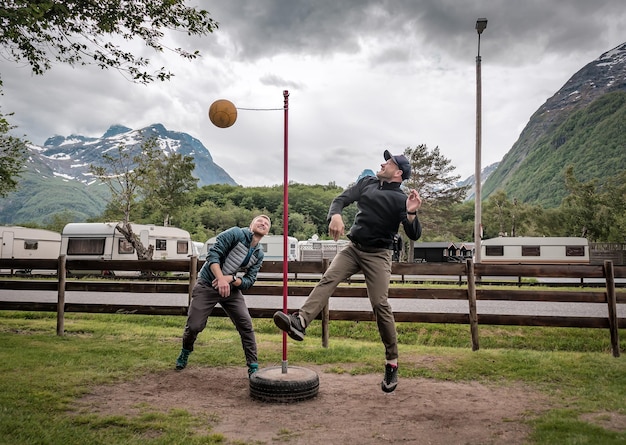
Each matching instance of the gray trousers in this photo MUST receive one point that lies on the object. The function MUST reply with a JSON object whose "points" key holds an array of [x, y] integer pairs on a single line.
{"points": [[203, 300], [375, 264]]}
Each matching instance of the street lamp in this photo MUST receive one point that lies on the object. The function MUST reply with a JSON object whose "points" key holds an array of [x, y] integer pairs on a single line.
{"points": [[481, 24]]}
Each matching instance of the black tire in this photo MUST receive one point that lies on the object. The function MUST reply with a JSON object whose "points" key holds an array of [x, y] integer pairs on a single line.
{"points": [[271, 385]]}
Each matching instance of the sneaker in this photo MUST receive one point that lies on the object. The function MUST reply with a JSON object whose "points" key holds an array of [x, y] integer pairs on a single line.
{"points": [[390, 381], [181, 361], [252, 368], [291, 324]]}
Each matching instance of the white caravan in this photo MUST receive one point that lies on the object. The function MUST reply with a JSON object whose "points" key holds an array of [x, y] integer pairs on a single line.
{"points": [[272, 246], [197, 248], [25, 243], [535, 250], [102, 241], [315, 249]]}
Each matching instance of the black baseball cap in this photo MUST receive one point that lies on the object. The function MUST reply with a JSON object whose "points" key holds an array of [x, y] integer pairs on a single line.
{"points": [[401, 161]]}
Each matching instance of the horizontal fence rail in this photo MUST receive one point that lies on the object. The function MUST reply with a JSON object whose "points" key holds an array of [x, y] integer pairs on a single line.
{"points": [[150, 279]]}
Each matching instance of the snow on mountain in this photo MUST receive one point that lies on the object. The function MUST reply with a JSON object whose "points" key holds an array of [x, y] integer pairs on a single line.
{"points": [[70, 157]]}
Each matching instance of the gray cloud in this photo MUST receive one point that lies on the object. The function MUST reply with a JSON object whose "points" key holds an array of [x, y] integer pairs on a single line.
{"points": [[532, 27], [363, 76]]}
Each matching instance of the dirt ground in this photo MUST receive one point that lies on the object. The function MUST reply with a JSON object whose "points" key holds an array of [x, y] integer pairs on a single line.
{"points": [[347, 409]]}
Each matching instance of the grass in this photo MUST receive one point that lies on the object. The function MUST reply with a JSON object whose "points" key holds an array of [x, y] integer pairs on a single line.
{"points": [[43, 374]]}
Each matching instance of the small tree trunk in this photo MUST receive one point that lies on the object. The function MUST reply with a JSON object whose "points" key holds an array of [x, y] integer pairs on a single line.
{"points": [[143, 253]]}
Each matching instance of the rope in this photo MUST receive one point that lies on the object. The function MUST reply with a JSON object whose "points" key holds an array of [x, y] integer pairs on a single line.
{"points": [[260, 109]]}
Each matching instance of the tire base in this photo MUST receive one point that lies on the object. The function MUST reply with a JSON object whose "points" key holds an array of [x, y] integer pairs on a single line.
{"points": [[272, 385]]}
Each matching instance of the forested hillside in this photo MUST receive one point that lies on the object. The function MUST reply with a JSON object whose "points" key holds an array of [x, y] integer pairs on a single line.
{"points": [[582, 125], [591, 140]]}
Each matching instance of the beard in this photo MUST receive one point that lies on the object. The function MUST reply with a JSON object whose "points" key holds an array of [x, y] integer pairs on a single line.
{"points": [[382, 176]]}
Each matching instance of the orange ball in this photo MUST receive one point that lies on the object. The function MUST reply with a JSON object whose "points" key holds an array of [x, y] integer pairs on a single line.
{"points": [[222, 113]]}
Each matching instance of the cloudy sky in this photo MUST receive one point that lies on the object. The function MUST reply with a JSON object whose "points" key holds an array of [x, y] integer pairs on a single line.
{"points": [[363, 76]]}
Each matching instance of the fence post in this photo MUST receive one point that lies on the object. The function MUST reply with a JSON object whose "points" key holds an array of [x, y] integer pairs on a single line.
{"points": [[325, 311], [471, 297], [193, 276], [612, 306], [61, 274]]}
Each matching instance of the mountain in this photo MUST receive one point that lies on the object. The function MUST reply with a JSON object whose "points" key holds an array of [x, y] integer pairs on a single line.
{"points": [[582, 124], [57, 178], [71, 156], [471, 180]]}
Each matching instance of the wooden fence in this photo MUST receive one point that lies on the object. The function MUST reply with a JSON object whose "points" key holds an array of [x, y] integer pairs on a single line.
{"points": [[464, 279]]}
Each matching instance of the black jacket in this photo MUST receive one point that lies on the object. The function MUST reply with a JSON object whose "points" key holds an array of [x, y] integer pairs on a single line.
{"points": [[381, 207]]}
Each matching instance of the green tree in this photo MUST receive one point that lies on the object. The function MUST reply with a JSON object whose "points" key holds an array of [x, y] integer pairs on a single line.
{"points": [[124, 175], [593, 210], [432, 176], [59, 220], [312, 201], [582, 207], [216, 218], [85, 32], [505, 217], [12, 156], [459, 226], [615, 196], [168, 183], [301, 226], [498, 215]]}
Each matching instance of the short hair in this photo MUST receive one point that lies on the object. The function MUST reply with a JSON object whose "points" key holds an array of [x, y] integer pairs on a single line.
{"points": [[261, 216]]}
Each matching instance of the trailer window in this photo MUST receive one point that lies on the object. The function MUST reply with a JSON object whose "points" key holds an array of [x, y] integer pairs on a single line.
{"points": [[85, 246], [31, 245], [123, 246], [182, 247], [574, 250], [160, 244], [494, 250], [531, 251], [264, 247]]}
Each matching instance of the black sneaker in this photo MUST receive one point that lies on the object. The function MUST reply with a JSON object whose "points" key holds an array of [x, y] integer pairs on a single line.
{"points": [[291, 324], [390, 381]]}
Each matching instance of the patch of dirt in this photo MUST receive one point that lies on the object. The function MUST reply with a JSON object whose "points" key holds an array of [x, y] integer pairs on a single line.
{"points": [[609, 421], [347, 410]]}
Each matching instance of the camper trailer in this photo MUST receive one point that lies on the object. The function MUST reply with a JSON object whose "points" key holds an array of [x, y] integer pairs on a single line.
{"points": [[535, 250], [198, 247], [315, 249], [102, 241], [272, 246], [26, 243]]}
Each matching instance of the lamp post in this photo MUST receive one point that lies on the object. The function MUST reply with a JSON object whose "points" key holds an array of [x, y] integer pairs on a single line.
{"points": [[481, 24]]}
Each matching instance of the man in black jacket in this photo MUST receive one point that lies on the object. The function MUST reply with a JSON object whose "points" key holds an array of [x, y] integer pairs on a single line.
{"points": [[381, 207]]}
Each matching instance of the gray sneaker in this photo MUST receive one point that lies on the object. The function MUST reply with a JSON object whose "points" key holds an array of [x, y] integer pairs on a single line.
{"points": [[390, 381], [291, 324], [181, 361]]}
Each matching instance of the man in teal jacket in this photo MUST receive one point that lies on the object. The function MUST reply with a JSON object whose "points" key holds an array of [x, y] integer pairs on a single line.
{"points": [[235, 250]]}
